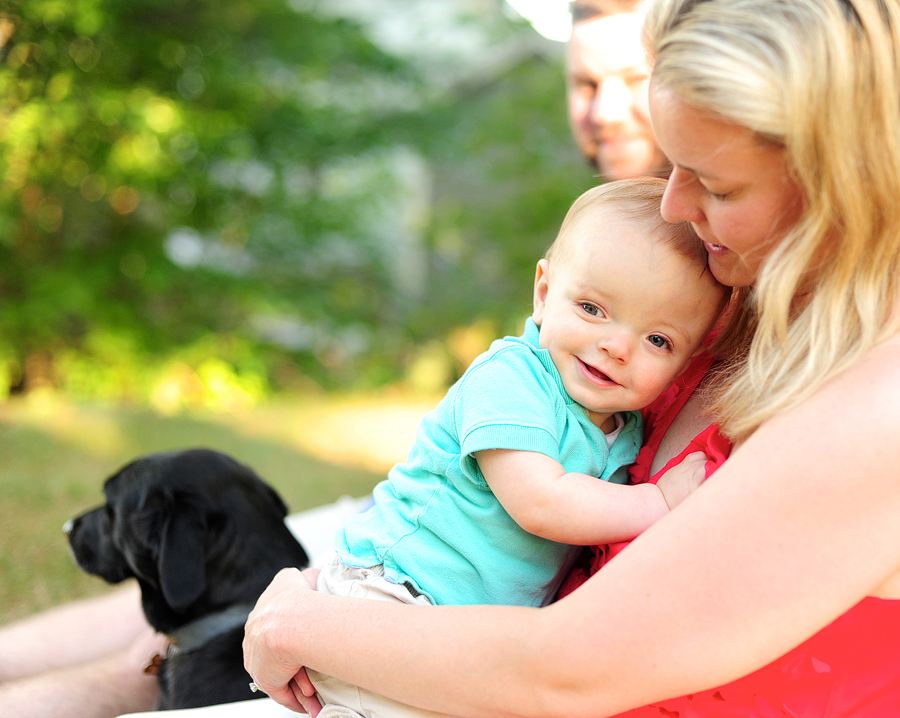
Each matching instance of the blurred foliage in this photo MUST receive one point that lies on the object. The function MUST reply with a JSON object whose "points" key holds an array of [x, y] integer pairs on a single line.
{"points": [[202, 202]]}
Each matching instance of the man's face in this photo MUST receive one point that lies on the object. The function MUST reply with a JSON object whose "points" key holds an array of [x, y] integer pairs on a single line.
{"points": [[607, 77]]}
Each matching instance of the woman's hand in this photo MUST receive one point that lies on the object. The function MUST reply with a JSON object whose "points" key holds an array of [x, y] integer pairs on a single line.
{"points": [[268, 651], [681, 480], [305, 693]]}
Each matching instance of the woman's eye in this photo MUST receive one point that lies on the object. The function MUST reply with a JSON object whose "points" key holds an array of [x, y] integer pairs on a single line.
{"points": [[658, 341], [716, 195]]}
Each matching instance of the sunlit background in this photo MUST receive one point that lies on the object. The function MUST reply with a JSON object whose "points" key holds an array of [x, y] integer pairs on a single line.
{"points": [[549, 17], [209, 204], [280, 228]]}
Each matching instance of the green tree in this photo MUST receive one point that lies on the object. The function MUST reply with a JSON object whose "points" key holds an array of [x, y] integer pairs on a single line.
{"points": [[200, 179]]}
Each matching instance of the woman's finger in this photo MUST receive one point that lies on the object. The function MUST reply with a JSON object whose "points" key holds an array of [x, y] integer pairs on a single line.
{"points": [[304, 684], [311, 575], [310, 702]]}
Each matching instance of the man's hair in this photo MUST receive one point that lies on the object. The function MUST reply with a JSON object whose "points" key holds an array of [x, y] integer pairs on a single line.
{"points": [[637, 199], [820, 79], [589, 9]]}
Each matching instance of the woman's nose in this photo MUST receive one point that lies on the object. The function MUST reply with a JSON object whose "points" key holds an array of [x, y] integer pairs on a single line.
{"points": [[680, 202]]}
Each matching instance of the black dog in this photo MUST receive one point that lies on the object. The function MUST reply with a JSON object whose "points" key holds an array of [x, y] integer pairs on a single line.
{"points": [[204, 536]]}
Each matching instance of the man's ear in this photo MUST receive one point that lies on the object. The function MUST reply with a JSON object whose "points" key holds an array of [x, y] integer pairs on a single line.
{"points": [[541, 288]]}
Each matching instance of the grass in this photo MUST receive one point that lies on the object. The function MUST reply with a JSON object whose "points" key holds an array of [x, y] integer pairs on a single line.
{"points": [[54, 457]]}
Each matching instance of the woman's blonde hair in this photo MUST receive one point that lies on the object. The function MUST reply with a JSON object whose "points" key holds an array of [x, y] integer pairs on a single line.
{"points": [[819, 78]]}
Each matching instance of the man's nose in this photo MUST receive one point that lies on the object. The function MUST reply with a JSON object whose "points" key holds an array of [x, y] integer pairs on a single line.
{"points": [[612, 102]]}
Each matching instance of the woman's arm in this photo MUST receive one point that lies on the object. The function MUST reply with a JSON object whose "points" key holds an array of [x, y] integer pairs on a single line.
{"points": [[799, 525]]}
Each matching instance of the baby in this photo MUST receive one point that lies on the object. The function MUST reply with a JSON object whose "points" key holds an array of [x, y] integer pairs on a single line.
{"points": [[524, 459]]}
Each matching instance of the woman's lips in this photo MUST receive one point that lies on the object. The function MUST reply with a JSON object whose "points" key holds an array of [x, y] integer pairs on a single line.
{"points": [[715, 248]]}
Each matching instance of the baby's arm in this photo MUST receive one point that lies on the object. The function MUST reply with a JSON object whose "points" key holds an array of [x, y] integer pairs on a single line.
{"points": [[573, 508]]}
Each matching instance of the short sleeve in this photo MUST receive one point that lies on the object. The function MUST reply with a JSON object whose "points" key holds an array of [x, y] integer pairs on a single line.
{"points": [[509, 401]]}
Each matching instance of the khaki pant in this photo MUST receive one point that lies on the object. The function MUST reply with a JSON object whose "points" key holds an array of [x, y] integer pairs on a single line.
{"points": [[344, 700]]}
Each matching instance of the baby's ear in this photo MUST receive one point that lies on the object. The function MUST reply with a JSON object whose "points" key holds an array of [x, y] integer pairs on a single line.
{"points": [[541, 288]]}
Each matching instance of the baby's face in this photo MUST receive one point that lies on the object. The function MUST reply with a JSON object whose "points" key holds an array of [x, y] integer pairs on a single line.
{"points": [[621, 313]]}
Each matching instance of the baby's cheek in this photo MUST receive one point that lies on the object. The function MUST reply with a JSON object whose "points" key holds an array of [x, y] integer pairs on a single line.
{"points": [[657, 379]]}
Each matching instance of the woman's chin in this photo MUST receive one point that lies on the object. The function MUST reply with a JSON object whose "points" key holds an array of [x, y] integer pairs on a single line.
{"points": [[730, 271]]}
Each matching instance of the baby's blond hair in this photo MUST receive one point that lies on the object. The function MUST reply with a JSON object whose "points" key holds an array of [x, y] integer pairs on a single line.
{"points": [[638, 199]]}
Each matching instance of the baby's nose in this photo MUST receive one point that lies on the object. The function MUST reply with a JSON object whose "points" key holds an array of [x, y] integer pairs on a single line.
{"points": [[617, 344]]}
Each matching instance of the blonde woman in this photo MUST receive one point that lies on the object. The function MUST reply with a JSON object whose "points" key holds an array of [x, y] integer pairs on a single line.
{"points": [[782, 122]]}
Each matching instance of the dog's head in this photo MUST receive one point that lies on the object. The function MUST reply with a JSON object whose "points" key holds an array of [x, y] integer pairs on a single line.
{"points": [[198, 530]]}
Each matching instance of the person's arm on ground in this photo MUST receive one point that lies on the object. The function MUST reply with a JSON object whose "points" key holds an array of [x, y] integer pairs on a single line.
{"points": [[101, 688], [757, 560], [70, 634]]}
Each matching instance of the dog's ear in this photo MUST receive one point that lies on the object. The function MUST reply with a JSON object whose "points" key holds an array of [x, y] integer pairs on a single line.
{"points": [[182, 571], [276, 499]]}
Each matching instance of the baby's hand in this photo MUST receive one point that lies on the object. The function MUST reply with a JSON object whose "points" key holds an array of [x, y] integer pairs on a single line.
{"points": [[681, 480]]}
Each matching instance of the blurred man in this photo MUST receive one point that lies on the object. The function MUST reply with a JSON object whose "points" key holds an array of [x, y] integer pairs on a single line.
{"points": [[607, 77]]}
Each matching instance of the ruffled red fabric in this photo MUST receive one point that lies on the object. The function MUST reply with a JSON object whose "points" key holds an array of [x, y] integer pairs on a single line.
{"points": [[849, 669]]}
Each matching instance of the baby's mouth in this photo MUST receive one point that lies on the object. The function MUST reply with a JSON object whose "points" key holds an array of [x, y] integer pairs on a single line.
{"points": [[593, 371]]}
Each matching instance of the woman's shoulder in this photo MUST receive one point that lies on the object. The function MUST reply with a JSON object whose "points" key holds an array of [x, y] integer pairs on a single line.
{"points": [[884, 352], [857, 409], [873, 382], [881, 367], [878, 368], [854, 421], [871, 389], [891, 346]]}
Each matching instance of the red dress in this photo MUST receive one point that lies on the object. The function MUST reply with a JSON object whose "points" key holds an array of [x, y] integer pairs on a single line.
{"points": [[849, 669]]}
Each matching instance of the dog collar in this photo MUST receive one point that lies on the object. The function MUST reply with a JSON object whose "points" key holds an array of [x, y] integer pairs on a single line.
{"points": [[191, 636]]}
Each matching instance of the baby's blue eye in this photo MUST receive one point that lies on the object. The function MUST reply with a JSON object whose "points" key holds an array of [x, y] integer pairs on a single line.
{"points": [[591, 309], [658, 341]]}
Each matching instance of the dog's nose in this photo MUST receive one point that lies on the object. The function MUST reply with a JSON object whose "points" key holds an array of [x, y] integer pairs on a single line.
{"points": [[68, 526]]}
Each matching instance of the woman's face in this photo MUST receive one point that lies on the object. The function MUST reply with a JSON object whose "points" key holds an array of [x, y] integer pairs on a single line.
{"points": [[731, 186]]}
